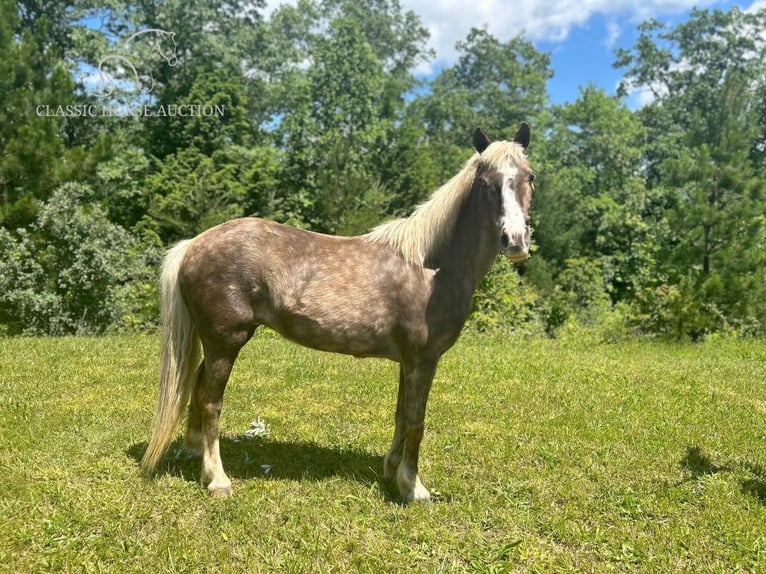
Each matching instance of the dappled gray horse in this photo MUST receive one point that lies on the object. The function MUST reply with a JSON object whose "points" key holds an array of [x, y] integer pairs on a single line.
{"points": [[403, 292]]}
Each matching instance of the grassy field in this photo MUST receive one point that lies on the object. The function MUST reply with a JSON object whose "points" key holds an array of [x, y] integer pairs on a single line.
{"points": [[542, 456]]}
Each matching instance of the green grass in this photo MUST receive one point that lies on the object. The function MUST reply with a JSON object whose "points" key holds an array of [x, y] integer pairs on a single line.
{"points": [[543, 456]]}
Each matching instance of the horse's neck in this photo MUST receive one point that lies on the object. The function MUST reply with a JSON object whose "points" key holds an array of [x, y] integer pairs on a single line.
{"points": [[465, 258]]}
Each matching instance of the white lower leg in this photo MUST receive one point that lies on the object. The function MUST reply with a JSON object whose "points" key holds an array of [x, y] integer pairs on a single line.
{"points": [[410, 486], [213, 475]]}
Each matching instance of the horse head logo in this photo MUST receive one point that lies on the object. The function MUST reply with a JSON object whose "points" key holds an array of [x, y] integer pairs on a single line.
{"points": [[160, 42]]}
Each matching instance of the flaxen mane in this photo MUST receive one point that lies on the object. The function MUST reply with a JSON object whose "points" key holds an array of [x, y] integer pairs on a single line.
{"points": [[416, 237]]}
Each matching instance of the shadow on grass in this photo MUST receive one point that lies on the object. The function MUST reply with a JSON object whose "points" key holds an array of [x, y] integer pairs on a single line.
{"points": [[699, 465], [245, 459], [755, 487]]}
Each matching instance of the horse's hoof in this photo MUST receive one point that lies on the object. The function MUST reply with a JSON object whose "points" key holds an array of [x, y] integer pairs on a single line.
{"points": [[220, 493], [413, 491], [418, 494]]}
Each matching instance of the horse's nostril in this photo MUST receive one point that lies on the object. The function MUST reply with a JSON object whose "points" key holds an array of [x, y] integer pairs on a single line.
{"points": [[505, 241]]}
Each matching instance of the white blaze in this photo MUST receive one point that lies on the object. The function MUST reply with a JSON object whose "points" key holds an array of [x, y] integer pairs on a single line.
{"points": [[512, 215]]}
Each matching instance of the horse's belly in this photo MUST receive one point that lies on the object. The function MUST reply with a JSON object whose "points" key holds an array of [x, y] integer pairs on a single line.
{"points": [[340, 335]]}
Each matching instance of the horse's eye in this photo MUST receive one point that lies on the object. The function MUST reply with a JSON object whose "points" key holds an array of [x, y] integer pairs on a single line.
{"points": [[531, 178]]}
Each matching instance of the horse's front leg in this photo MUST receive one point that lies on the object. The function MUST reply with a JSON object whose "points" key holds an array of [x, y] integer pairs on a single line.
{"points": [[414, 386], [394, 456]]}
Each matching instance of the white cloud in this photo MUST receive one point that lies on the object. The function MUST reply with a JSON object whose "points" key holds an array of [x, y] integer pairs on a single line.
{"points": [[540, 20], [640, 97], [449, 21], [613, 31]]}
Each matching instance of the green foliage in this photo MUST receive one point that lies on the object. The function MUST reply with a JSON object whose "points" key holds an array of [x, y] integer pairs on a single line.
{"points": [[505, 303], [341, 130], [593, 202], [29, 144], [580, 303], [493, 84], [75, 272], [25, 305], [192, 192], [708, 80], [410, 167], [119, 186], [648, 221], [676, 312], [206, 133]]}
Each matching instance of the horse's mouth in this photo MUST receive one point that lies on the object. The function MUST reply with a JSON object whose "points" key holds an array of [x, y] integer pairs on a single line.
{"points": [[516, 256]]}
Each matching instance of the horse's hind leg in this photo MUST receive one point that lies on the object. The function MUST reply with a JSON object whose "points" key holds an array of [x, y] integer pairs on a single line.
{"points": [[208, 398], [193, 440]]}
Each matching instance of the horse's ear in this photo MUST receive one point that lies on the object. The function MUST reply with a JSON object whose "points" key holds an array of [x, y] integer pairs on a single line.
{"points": [[480, 140], [523, 135]]}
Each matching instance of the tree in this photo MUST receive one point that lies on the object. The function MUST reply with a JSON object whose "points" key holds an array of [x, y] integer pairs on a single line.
{"points": [[493, 84], [591, 200], [342, 118], [716, 222], [216, 44], [192, 192], [684, 68], [31, 146], [707, 78]]}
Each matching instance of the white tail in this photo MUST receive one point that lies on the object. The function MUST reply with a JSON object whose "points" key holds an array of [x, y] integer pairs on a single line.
{"points": [[178, 363]]}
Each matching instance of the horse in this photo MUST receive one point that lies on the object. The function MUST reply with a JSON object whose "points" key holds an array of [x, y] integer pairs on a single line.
{"points": [[402, 292]]}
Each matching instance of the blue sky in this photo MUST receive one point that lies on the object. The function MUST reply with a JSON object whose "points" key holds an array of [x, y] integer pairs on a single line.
{"points": [[587, 55], [580, 35]]}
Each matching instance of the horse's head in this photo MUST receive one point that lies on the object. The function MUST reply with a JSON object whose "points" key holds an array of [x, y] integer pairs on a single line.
{"points": [[505, 176], [168, 51]]}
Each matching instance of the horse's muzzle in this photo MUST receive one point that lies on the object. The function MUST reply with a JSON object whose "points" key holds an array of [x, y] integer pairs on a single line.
{"points": [[516, 255], [515, 246]]}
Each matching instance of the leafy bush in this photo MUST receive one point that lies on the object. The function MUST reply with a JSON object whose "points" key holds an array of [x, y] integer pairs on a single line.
{"points": [[505, 303], [74, 271], [25, 305], [579, 304], [693, 309]]}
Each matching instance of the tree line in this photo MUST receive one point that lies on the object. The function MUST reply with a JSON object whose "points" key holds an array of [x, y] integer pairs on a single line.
{"points": [[649, 221]]}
